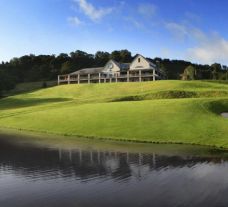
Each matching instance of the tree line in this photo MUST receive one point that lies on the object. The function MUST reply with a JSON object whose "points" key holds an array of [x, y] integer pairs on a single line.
{"points": [[30, 68]]}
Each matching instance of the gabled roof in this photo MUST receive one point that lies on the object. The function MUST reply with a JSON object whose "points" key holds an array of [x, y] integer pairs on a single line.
{"points": [[115, 62], [86, 71], [148, 61], [121, 66], [151, 63]]}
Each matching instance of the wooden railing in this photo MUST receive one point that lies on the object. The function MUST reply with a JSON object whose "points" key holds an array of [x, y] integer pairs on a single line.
{"points": [[102, 78]]}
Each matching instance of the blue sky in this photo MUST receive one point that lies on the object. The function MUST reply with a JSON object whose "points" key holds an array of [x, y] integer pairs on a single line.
{"points": [[195, 30]]}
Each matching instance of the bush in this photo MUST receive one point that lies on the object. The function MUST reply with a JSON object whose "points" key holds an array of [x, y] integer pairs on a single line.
{"points": [[44, 85]]}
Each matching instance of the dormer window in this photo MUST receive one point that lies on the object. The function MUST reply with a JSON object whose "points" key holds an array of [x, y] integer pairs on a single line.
{"points": [[139, 60]]}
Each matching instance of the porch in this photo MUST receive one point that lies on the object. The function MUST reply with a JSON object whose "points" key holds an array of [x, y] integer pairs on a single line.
{"points": [[128, 76]]}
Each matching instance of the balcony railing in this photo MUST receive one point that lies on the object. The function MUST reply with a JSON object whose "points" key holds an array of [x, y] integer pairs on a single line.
{"points": [[129, 76]]}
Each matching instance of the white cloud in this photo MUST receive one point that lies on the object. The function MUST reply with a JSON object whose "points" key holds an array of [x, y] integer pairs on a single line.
{"points": [[210, 50], [182, 31], [134, 22], [207, 48], [95, 14], [178, 30], [147, 10], [166, 52], [75, 21]]}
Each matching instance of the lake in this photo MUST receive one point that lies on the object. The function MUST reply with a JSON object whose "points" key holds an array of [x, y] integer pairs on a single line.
{"points": [[105, 174]]}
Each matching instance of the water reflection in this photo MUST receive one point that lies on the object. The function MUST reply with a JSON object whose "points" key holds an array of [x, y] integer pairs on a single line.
{"points": [[44, 176]]}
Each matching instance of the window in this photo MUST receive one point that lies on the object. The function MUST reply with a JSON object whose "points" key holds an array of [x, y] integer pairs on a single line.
{"points": [[139, 60], [110, 66]]}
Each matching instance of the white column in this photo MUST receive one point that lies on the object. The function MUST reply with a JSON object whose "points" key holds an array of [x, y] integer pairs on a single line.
{"points": [[110, 80], [89, 78], [154, 75], [58, 79], [99, 78], [68, 78], [116, 77], [78, 78], [140, 76], [128, 75]]}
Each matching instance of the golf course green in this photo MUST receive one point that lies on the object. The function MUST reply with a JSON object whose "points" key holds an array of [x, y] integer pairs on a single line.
{"points": [[161, 112]]}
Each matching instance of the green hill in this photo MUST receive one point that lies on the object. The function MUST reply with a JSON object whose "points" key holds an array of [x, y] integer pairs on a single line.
{"points": [[162, 111]]}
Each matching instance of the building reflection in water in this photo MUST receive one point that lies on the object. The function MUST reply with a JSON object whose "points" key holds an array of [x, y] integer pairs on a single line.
{"points": [[86, 164], [35, 175]]}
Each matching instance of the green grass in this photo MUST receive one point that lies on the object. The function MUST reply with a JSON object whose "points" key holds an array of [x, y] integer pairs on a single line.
{"points": [[30, 86], [162, 111]]}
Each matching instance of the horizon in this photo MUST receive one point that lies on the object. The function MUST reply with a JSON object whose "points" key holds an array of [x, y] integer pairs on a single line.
{"points": [[185, 30], [133, 56]]}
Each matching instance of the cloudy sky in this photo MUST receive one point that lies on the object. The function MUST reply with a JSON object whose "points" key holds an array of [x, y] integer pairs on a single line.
{"points": [[195, 30]]}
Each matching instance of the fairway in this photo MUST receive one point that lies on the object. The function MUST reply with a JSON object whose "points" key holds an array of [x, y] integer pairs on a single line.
{"points": [[161, 111]]}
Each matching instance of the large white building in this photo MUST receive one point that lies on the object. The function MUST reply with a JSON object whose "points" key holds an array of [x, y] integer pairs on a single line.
{"points": [[140, 69]]}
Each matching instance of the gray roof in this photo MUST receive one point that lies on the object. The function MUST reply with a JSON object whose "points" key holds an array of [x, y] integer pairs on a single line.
{"points": [[117, 63], [151, 63], [125, 66], [86, 71]]}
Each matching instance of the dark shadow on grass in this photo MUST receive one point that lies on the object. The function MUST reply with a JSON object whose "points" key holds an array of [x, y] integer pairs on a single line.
{"points": [[172, 94], [128, 98], [217, 81], [13, 103], [218, 106], [158, 95], [29, 88]]}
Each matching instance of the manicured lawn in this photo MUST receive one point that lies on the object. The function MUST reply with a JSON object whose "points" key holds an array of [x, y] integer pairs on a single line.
{"points": [[31, 86], [165, 111]]}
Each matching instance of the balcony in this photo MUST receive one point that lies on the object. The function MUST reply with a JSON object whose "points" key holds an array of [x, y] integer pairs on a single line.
{"points": [[103, 78]]}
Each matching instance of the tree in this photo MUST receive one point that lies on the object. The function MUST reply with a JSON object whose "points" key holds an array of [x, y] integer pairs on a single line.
{"points": [[226, 71], [163, 70], [189, 73], [66, 67], [56, 64], [123, 56], [47, 67], [6, 81], [216, 68], [101, 58]]}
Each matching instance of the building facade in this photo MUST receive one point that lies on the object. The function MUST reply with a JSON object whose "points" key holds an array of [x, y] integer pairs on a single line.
{"points": [[140, 69]]}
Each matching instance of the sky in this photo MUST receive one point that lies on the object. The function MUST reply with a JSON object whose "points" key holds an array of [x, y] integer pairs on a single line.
{"points": [[192, 30]]}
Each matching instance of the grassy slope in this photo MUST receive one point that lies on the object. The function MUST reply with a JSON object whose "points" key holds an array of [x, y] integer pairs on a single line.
{"points": [[30, 86], [168, 111]]}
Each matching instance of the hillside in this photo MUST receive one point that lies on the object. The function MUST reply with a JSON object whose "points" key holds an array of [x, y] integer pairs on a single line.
{"points": [[162, 111]]}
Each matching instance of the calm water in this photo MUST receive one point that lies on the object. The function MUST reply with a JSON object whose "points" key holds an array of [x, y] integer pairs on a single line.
{"points": [[38, 175]]}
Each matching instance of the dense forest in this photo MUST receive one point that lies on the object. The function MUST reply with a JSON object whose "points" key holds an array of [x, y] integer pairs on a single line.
{"points": [[46, 67]]}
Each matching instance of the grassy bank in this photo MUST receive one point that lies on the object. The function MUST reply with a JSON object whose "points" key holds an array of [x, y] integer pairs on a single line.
{"points": [[28, 87], [163, 111]]}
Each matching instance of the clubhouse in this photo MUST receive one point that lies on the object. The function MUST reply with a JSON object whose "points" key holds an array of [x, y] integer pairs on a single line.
{"points": [[139, 70]]}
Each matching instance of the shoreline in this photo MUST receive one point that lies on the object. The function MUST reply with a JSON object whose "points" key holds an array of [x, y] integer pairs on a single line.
{"points": [[41, 135]]}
